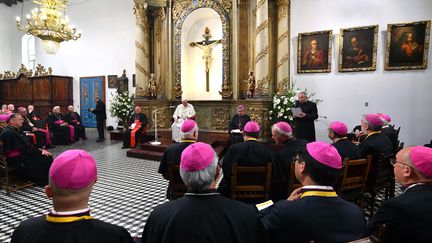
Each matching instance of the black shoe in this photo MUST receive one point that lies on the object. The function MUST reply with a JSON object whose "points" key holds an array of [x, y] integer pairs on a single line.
{"points": [[50, 146], [100, 140], [125, 147]]}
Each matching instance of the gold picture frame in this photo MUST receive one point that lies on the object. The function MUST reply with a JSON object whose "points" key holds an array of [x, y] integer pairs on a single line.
{"points": [[318, 42], [407, 45], [358, 48]]}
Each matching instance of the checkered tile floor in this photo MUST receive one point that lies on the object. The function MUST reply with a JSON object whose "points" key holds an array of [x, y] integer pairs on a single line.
{"points": [[126, 192]]}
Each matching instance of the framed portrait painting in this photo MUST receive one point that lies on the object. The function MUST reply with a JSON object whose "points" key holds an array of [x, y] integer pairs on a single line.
{"points": [[407, 45], [358, 48], [314, 52], [112, 82]]}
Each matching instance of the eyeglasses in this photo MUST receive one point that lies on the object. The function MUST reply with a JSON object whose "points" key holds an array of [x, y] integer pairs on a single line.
{"points": [[394, 162], [296, 159]]}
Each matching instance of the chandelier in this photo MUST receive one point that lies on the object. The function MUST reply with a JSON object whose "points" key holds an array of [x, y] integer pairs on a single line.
{"points": [[49, 24]]}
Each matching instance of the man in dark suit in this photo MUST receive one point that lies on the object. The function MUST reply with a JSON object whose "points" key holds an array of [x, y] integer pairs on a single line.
{"points": [[282, 134], [314, 212], [248, 153], [408, 217], [304, 122], [71, 179], [100, 112], [337, 132]]}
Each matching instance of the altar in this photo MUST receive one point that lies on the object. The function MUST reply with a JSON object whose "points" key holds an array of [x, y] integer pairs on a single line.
{"points": [[208, 51]]}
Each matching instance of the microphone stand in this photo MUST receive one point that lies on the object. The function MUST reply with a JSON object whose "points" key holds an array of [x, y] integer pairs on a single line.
{"points": [[156, 141]]}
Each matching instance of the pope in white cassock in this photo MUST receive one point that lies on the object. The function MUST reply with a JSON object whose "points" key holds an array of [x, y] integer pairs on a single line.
{"points": [[183, 112]]}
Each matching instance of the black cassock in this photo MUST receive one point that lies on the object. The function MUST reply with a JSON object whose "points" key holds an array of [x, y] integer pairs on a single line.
{"points": [[305, 127], [172, 154], [40, 230], [392, 134], [127, 135], [347, 149], [314, 218], [33, 115], [25, 157], [376, 145], [73, 118], [27, 126], [282, 169], [61, 134], [203, 217], [407, 217], [237, 122], [248, 153]]}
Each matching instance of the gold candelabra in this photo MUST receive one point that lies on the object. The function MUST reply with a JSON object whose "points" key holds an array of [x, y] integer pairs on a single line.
{"points": [[49, 24]]}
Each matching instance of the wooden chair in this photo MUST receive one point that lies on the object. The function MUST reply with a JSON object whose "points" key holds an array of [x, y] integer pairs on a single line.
{"points": [[10, 182], [293, 182], [380, 179], [176, 186], [377, 237], [250, 183], [354, 179]]}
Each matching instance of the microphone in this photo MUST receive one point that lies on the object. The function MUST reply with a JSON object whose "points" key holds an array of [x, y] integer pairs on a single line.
{"points": [[163, 108]]}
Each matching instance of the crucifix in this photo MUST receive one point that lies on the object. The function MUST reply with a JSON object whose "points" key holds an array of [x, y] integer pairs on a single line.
{"points": [[206, 45]]}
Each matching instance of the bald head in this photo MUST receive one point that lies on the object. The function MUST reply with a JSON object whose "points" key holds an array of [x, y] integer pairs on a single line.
{"points": [[22, 111], [405, 171]]}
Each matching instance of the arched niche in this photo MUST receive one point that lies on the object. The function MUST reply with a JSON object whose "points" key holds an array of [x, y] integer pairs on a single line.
{"points": [[193, 75], [182, 41]]}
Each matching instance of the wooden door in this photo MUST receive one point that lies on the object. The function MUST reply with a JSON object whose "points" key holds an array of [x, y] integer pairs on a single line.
{"points": [[89, 88]]}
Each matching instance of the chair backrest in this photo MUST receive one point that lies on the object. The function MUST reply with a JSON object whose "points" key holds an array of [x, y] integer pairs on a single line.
{"points": [[293, 182], [355, 174], [251, 182], [40, 124], [383, 174], [176, 186]]}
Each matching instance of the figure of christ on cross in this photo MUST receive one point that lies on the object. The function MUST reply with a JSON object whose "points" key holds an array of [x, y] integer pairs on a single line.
{"points": [[206, 45]]}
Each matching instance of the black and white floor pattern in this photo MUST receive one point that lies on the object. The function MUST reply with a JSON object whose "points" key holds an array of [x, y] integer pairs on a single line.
{"points": [[125, 193]]}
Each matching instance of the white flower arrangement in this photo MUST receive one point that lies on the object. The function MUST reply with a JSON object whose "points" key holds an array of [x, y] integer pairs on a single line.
{"points": [[122, 105]]}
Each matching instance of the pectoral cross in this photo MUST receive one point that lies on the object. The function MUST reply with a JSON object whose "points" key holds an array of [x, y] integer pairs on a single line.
{"points": [[206, 45]]}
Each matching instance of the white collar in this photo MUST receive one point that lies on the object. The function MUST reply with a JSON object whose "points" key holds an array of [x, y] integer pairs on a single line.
{"points": [[79, 211], [413, 185], [318, 187]]}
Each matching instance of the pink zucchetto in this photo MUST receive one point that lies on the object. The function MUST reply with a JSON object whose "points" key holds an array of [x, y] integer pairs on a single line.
{"points": [[284, 126], [73, 169], [339, 128], [373, 119], [421, 158], [384, 116], [251, 127], [188, 125], [196, 157], [325, 153]]}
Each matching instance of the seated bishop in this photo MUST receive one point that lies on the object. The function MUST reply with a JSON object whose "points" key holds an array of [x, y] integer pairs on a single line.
{"points": [[63, 133], [71, 179], [74, 119], [40, 137], [183, 112], [237, 124], [138, 121]]}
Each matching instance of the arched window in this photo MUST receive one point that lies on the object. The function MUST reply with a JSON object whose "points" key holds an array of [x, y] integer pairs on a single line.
{"points": [[28, 51]]}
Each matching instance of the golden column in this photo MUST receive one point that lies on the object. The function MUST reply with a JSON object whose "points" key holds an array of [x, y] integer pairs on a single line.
{"points": [[262, 49], [142, 44], [282, 65]]}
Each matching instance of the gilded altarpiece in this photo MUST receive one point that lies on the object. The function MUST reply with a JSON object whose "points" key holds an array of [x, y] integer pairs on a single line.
{"points": [[163, 25]]}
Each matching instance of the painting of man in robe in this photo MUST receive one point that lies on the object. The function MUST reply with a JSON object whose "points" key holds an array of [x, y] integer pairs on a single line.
{"points": [[357, 48], [314, 52], [407, 45]]}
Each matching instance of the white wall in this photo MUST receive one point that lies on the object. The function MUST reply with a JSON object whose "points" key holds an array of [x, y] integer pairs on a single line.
{"points": [[106, 47], [404, 95], [6, 25]]}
